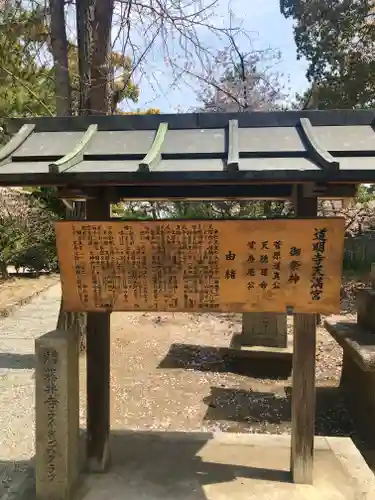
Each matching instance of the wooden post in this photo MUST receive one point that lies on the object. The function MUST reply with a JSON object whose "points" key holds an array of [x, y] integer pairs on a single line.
{"points": [[303, 398], [98, 368], [303, 378]]}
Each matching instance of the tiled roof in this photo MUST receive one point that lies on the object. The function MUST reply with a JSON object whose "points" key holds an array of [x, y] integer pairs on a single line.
{"points": [[202, 149]]}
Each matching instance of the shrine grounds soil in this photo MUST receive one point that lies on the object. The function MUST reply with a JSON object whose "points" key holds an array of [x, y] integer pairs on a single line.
{"points": [[169, 373]]}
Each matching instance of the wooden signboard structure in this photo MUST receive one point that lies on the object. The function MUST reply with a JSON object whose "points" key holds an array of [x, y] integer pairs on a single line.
{"points": [[298, 156], [283, 265]]}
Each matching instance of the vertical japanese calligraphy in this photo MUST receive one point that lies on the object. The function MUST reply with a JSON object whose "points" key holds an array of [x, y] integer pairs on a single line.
{"points": [[145, 268], [230, 273], [218, 266], [51, 401], [276, 265], [317, 278], [294, 265], [263, 259], [250, 261]]}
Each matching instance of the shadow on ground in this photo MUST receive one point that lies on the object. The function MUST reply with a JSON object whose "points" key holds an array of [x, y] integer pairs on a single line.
{"points": [[16, 361], [223, 359], [270, 412], [179, 465], [155, 464], [184, 462], [16, 479]]}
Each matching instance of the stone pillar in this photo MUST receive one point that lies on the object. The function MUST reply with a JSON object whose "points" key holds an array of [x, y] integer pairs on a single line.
{"points": [[365, 309], [366, 304], [264, 329], [57, 414]]}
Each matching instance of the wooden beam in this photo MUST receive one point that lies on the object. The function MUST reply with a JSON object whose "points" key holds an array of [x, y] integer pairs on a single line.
{"points": [[233, 146], [76, 155], [16, 141], [303, 378], [321, 156], [153, 156], [195, 191], [98, 368], [304, 206], [85, 193]]}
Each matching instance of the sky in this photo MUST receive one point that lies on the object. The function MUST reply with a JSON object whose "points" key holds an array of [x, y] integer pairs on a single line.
{"points": [[268, 28]]}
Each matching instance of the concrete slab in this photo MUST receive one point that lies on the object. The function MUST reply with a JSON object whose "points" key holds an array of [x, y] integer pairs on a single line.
{"points": [[203, 466]]}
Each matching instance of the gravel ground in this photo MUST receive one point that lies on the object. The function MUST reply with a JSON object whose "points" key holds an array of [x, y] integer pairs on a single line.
{"points": [[168, 372]]}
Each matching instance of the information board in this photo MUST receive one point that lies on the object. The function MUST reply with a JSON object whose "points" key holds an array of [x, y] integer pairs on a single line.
{"points": [[222, 266]]}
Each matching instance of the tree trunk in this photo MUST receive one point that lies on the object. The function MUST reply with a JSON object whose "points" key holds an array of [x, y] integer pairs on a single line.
{"points": [[59, 48], [94, 23], [3, 270], [85, 16], [75, 320], [100, 61], [267, 209]]}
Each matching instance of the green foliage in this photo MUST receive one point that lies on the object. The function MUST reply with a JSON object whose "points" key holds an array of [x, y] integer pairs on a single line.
{"points": [[27, 79], [365, 194], [192, 210], [46, 196], [204, 210], [26, 86], [27, 238], [337, 39]]}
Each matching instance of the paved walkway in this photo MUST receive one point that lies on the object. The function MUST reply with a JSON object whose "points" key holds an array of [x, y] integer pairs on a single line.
{"points": [[17, 334]]}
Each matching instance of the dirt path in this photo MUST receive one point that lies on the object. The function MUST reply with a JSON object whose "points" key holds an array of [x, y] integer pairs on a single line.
{"points": [[17, 335], [18, 290]]}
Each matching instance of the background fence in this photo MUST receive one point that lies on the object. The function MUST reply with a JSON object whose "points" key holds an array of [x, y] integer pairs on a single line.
{"points": [[359, 252]]}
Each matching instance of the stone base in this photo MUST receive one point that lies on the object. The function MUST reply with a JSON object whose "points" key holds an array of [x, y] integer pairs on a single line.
{"points": [[167, 466], [261, 351], [358, 372], [359, 389], [264, 362], [264, 329]]}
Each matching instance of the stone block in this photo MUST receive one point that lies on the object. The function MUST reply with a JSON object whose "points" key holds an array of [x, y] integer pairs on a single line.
{"points": [[366, 309], [57, 415], [358, 343], [359, 389], [358, 372], [264, 329]]}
